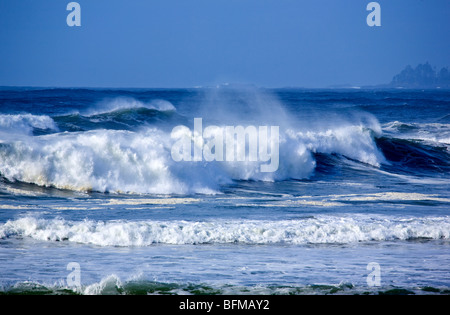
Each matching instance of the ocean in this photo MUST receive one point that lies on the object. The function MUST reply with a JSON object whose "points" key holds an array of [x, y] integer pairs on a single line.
{"points": [[92, 200]]}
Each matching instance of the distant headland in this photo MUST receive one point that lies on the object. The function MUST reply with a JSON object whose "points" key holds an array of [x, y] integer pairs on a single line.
{"points": [[423, 76]]}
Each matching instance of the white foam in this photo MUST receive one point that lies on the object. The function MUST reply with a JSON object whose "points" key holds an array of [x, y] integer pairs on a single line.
{"points": [[132, 162], [390, 196], [14, 207], [154, 201], [314, 230], [24, 123], [353, 141], [107, 286], [102, 160]]}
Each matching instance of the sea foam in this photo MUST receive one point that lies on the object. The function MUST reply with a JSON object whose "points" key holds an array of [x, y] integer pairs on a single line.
{"points": [[311, 230], [25, 123]]}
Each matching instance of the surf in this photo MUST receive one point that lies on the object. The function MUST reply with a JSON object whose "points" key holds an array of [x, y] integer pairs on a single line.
{"points": [[319, 229], [141, 162], [125, 145]]}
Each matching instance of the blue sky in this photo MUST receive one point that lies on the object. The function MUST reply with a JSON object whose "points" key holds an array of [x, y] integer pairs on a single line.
{"points": [[185, 43]]}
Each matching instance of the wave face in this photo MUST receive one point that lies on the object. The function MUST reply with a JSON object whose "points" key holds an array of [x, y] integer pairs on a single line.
{"points": [[121, 113], [317, 230]]}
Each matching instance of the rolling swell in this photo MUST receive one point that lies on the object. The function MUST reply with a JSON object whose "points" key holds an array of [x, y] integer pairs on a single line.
{"points": [[413, 156], [120, 119]]}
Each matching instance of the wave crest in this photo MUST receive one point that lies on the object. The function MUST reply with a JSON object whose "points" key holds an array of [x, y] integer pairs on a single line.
{"points": [[311, 230], [141, 162], [25, 124]]}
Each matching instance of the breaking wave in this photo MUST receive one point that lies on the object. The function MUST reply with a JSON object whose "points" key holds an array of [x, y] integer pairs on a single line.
{"points": [[141, 162], [310, 230], [124, 146]]}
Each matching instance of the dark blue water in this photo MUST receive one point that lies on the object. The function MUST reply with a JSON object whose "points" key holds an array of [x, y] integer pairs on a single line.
{"points": [[87, 176]]}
